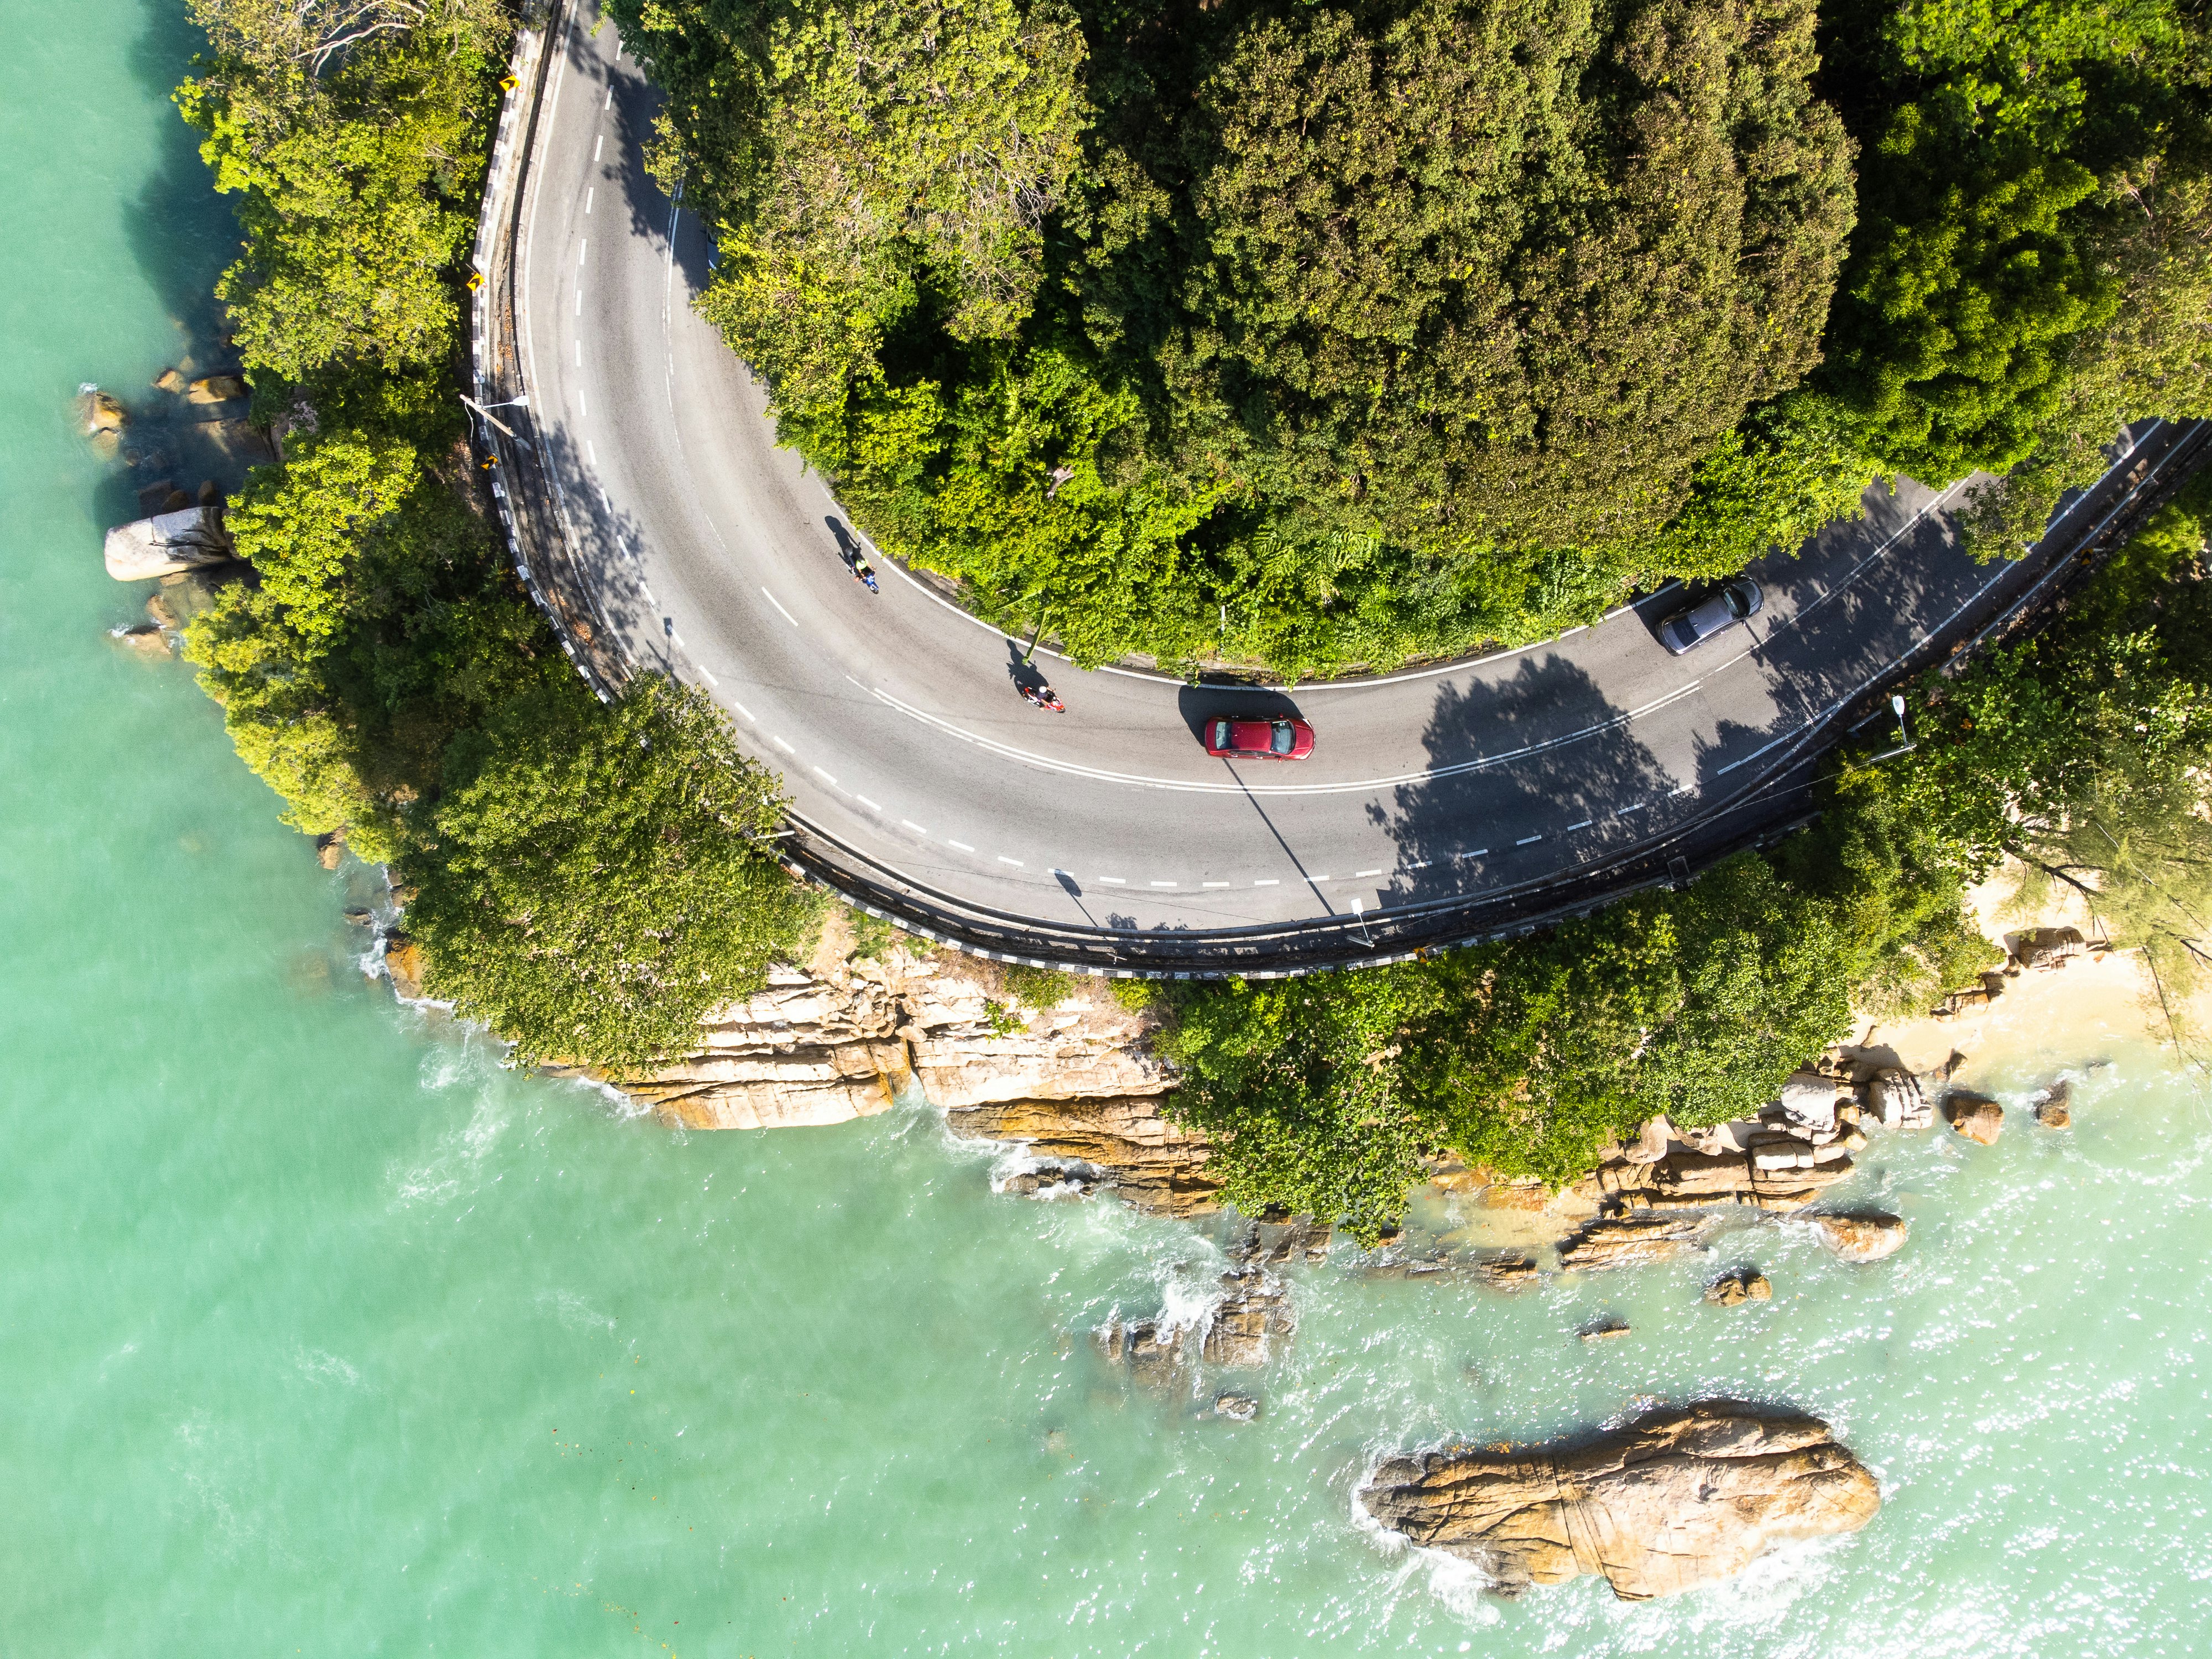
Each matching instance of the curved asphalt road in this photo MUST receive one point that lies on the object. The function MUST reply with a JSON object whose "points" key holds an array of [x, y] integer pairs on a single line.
{"points": [[706, 550]]}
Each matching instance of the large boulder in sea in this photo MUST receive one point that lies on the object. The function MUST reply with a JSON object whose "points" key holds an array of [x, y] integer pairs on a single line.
{"points": [[167, 542], [1975, 1116], [1680, 1498], [1861, 1237]]}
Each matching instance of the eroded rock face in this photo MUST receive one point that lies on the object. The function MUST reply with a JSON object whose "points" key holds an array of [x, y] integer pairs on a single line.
{"points": [[802, 1053], [1682, 1499], [1632, 1240], [1861, 1237], [1075, 1086], [1120, 1141]]}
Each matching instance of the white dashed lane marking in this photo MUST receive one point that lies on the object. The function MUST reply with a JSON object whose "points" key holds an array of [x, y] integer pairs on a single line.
{"points": [[1526, 841], [781, 744], [962, 845], [1016, 863], [912, 825], [1113, 881], [865, 802], [825, 777], [780, 611]]}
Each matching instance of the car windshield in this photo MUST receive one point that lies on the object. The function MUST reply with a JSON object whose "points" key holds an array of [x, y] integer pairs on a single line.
{"points": [[1221, 734], [1281, 740]]}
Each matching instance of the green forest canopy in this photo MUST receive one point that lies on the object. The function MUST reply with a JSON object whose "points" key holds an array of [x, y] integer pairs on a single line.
{"points": [[1332, 334]]}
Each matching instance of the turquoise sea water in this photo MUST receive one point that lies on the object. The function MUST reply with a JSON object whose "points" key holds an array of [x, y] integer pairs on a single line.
{"points": [[322, 1334]]}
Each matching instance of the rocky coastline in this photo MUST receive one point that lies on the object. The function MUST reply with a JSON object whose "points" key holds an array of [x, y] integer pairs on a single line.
{"points": [[1074, 1099]]}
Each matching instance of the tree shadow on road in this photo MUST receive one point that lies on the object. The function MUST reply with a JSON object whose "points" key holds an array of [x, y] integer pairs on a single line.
{"points": [[1511, 795]]}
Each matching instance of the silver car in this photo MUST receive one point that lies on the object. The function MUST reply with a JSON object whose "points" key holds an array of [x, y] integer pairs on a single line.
{"points": [[1734, 600]]}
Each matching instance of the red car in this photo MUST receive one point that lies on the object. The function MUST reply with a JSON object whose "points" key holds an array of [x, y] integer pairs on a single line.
{"points": [[1232, 739]]}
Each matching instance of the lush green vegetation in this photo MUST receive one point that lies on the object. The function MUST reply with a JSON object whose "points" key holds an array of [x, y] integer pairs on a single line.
{"points": [[587, 879], [1319, 334], [2082, 755], [1311, 334]]}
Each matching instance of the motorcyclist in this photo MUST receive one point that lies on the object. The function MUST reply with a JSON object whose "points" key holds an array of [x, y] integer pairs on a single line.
{"points": [[1044, 697], [866, 574]]}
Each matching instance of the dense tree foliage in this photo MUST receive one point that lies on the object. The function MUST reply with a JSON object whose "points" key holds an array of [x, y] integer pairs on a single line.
{"points": [[352, 134], [1308, 334], [588, 879], [2083, 756], [2017, 158], [591, 882]]}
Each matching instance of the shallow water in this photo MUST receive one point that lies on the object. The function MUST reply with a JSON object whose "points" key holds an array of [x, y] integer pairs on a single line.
{"points": [[321, 1333]]}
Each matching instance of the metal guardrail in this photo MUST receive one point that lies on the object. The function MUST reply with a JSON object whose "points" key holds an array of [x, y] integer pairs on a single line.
{"points": [[1770, 803]]}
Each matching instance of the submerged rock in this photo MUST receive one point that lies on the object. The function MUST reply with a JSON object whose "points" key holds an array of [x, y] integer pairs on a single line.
{"points": [[1867, 1237], [1154, 1353], [1254, 1316], [1681, 1498], [1745, 1284], [2053, 1110], [1610, 1330], [1237, 1407], [216, 389]]}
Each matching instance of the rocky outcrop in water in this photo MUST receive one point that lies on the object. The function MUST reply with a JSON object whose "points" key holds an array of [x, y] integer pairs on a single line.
{"points": [[1681, 1498], [1860, 1237], [1734, 1290], [1631, 1241], [1977, 1117], [1249, 1325]]}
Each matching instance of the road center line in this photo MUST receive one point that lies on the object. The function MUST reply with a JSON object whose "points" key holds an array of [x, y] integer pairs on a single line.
{"points": [[1584, 824], [1528, 840], [1113, 881], [742, 709], [602, 144], [582, 242], [820, 773], [1213, 883]]}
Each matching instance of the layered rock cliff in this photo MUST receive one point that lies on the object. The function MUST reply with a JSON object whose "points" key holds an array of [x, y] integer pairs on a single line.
{"points": [[1074, 1084]]}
